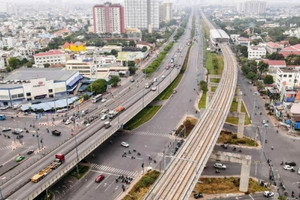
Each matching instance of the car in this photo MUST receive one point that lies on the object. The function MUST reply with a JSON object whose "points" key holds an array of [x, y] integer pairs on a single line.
{"points": [[198, 195], [17, 131], [68, 122], [20, 158], [163, 76], [124, 144], [167, 67], [132, 80], [264, 121], [220, 166], [56, 132], [99, 178], [153, 88], [288, 167], [299, 170], [291, 163], [19, 136], [103, 117], [6, 129], [105, 110], [155, 80], [268, 193], [30, 152], [266, 125], [103, 100]]}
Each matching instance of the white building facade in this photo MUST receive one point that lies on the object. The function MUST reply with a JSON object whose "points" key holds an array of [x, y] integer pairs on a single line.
{"points": [[287, 79], [256, 52], [252, 7], [50, 57], [142, 14]]}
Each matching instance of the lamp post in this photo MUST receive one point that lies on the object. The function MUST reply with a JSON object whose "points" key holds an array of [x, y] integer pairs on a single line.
{"points": [[254, 102]]}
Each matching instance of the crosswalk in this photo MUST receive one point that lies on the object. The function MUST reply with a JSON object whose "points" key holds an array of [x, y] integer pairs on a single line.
{"points": [[6, 147], [150, 133], [113, 170]]}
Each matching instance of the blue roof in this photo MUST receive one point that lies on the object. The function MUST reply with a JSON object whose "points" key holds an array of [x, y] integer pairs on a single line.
{"points": [[61, 103]]}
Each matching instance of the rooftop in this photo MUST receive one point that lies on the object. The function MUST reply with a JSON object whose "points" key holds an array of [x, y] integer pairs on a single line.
{"points": [[50, 53], [275, 62], [273, 45], [56, 74]]}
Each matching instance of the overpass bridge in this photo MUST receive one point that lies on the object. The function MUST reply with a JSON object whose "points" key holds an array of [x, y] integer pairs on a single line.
{"points": [[183, 172], [134, 100]]}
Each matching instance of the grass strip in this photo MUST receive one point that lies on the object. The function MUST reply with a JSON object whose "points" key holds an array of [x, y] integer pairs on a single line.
{"points": [[225, 185], [202, 102], [142, 117], [82, 170], [188, 124], [230, 138], [235, 120], [142, 186]]}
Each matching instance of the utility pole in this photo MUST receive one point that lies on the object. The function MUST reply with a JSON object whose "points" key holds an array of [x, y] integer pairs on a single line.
{"points": [[261, 154], [254, 102]]}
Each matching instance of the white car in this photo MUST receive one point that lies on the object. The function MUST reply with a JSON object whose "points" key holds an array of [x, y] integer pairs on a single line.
{"points": [[288, 167], [268, 193], [103, 117], [153, 88], [103, 100], [125, 144], [163, 76], [220, 166], [68, 122]]}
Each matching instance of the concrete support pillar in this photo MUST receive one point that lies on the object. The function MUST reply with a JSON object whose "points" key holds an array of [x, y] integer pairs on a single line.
{"points": [[245, 174], [240, 131]]}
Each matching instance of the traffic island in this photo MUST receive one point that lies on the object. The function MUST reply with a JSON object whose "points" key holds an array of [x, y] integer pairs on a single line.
{"points": [[186, 127], [140, 189], [218, 187], [227, 137]]}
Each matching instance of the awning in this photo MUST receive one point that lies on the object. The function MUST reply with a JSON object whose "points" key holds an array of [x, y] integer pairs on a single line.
{"points": [[73, 82]]}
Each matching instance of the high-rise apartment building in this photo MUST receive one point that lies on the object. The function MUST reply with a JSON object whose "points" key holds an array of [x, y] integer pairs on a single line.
{"points": [[166, 11], [142, 14], [252, 7], [108, 18]]}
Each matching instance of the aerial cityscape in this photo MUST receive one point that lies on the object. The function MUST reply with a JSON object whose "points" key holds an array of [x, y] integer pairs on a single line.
{"points": [[149, 99]]}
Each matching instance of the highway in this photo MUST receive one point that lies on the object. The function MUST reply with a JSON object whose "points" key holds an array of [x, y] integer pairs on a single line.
{"points": [[180, 177], [19, 186]]}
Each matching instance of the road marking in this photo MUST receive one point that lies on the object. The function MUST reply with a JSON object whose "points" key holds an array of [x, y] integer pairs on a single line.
{"points": [[251, 197], [89, 184], [109, 186], [113, 170]]}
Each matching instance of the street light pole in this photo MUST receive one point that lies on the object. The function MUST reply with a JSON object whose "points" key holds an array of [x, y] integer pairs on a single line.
{"points": [[262, 153]]}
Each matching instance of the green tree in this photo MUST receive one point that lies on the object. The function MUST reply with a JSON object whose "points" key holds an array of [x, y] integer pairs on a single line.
{"points": [[144, 49], [14, 62], [4, 48], [268, 79], [114, 80], [252, 76], [98, 86], [263, 67], [256, 41], [132, 43], [29, 64], [243, 50], [293, 40], [114, 52], [132, 70], [275, 56], [203, 86]]}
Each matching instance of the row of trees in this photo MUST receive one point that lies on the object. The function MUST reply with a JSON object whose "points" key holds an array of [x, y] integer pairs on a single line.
{"points": [[100, 86], [290, 60], [15, 63], [254, 71]]}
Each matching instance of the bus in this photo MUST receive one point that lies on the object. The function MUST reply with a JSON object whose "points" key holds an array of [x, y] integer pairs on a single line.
{"points": [[97, 98]]}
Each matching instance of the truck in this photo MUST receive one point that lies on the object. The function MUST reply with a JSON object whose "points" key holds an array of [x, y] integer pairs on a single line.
{"points": [[113, 113], [59, 159]]}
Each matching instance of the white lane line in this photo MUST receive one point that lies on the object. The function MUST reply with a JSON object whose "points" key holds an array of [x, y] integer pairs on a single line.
{"points": [[109, 186], [251, 196], [88, 185]]}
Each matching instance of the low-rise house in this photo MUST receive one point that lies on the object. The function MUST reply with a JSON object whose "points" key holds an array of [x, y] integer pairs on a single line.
{"points": [[273, 47], [256, 52]]}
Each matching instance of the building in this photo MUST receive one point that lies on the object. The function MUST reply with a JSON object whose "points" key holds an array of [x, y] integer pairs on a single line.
{"points": [[166, 11], [287, 79], [290, 50], [273, 47], [142, 14], [108, 18], [27, 84], [256, 52], [75, 47], [218, 36], [8, 42], [134, 34], [96, 67], [50, 57], [62, 33], [274, 65], [252, 7]]}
